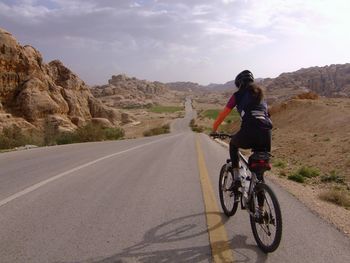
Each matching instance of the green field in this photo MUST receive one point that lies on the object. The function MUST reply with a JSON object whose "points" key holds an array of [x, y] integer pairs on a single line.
{"points": [[214, 113], [166, 109]]}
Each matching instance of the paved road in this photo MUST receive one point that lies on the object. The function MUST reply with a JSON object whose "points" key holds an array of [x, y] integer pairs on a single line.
{"points": [[137, 201]]}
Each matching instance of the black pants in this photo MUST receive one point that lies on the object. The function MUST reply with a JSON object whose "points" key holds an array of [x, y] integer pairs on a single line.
{"points": [[249, 138]]}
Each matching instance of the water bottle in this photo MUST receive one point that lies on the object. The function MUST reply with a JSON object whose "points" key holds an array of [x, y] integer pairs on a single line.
{"points": [[243, 174], [245, 183]]}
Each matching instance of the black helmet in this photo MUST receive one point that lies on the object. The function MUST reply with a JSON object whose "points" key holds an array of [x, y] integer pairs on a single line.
{"points": [[244, 78]]}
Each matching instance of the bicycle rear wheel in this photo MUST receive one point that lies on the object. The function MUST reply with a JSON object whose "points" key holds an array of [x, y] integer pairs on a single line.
{"points": [[267, 229], [227, 196]]}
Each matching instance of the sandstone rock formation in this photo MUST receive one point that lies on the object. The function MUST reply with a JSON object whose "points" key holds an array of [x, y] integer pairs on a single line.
{"points": [[31, 91], [328, 81], [125, 92], [185, 86]]}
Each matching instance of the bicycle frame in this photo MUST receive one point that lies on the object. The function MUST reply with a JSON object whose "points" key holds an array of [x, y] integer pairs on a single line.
{"points": [[245, 201], [253, 181]]}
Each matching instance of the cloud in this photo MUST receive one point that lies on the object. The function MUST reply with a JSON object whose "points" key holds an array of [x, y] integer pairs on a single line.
{"points": [[154, 38]]}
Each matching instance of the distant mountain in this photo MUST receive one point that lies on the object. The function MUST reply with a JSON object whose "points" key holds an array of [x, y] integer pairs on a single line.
{"points": [[185, 86], [195, 87], [129, 92], [328, 81], [32, 92], [230, 85]]}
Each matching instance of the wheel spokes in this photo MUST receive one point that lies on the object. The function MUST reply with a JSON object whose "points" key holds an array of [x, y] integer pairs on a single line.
{"points": [[228, 194], [267, 228]]}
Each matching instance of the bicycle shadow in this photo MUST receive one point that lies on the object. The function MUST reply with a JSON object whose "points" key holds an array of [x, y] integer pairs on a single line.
{"points": [[179, 229]]}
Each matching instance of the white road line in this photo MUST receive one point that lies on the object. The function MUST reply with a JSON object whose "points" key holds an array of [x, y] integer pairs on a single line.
{"points": [[54, 178]]}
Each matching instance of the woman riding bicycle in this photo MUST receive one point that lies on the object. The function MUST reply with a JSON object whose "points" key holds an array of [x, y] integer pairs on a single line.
{"points": [[255, 131]]}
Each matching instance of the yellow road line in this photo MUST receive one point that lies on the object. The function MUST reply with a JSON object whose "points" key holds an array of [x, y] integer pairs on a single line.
{"points": [[219, 243]]}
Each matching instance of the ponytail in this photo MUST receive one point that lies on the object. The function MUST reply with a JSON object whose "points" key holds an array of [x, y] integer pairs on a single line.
{"points": [[256, 91]]}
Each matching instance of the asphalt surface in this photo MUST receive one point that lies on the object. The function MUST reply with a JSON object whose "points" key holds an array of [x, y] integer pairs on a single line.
{"points": [[137, 201]]}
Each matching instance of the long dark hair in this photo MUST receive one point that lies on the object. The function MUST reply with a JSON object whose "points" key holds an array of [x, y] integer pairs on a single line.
{"points": [[255, 90]]}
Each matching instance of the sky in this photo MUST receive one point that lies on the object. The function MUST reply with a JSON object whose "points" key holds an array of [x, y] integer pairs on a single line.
{"points": [[207, 41]]}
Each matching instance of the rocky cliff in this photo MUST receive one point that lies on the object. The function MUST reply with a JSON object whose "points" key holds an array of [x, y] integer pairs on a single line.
{"points": [[328, 81], [32, 92], [126, 92]]}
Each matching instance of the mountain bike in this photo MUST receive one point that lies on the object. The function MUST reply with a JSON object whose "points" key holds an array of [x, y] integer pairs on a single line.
{"points": [[254, 195]]}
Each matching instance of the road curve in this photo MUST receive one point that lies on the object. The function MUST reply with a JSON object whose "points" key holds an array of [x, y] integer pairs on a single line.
{"points": [[137, 201]]}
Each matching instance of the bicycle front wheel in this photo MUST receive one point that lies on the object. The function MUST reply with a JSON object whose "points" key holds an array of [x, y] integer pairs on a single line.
{"points": [[266, 225], [227, 195]]}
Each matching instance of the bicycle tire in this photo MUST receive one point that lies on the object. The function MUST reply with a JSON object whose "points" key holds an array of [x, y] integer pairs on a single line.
{"points": [[225, 194], [267, 248]]}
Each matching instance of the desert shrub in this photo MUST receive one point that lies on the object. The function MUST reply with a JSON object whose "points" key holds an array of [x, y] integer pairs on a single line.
{"points": [[13, 137], [195, 127], [198, 129], [336, 196], [211, 113], [308, 172], [303, 173], [157, 131], [307, 96], [180, 114], [132, 107], [332, 177], [113, 133], [50, 132], [66, 138], [283, 173], [297, 178], [165, 109], [214, 113], [35, 137], [90, 133], [279, 164]]}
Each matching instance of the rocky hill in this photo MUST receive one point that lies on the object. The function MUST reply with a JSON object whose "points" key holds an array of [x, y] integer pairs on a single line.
{"points": [[185, 86], [129, 92], [32, 92], [228, 86], [195, 87], [328, 81]]}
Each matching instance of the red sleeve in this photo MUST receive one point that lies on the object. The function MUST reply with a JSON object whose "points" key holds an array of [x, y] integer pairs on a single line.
{"points": [[221, 117], [232, 102]]}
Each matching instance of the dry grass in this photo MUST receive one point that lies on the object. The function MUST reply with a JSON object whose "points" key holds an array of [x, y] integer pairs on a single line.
{"points": [[157, 131], [307, 96], [336, 196]]}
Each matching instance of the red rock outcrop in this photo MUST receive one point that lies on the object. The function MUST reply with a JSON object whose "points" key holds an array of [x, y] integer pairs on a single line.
{"points": [[31, 90]]}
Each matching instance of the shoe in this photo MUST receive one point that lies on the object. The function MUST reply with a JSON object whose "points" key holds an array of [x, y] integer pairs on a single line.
{"points": [[236, 184], [259, 215]]}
